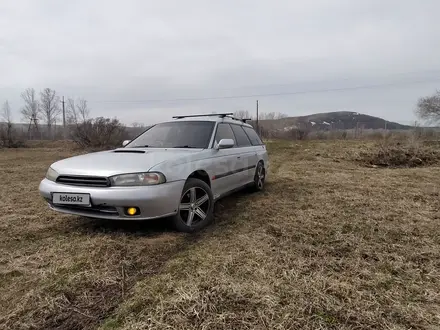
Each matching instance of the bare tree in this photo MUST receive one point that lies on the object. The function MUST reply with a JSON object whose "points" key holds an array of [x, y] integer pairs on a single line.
{"points": [[138, 125], [30, 109], [242, 114], [137, 128], [6, 112], [83, 110], [428, 108], [71, 113], [7, 118], [49, 106], [89, 132], [77, 111], [6, 129], [271, 115]]}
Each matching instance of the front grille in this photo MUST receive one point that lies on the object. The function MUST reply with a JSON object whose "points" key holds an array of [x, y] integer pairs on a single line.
{"points": [[89, 181]]}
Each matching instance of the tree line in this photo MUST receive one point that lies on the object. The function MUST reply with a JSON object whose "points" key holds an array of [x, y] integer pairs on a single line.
{"points": [[47, 108], [245, 114]]}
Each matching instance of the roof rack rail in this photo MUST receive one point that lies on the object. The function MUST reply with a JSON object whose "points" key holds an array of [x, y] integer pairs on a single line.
{"points": [[222, 115], [240, 119]]}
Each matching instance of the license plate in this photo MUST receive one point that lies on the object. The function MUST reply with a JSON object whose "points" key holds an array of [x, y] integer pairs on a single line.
{"points": [[71, 199]]}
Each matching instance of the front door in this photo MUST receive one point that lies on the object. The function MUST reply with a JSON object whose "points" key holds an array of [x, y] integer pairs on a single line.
{"points": [[227, 163]]}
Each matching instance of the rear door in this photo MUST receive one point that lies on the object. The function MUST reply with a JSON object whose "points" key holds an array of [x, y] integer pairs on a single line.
{"points": [[248, 156], [259, 146]]}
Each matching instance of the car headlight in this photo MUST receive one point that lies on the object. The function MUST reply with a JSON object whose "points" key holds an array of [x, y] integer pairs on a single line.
{"points": [[51, 174], [137, 179]]}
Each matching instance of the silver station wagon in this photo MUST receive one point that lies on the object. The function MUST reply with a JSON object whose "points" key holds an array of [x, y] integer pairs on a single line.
{"points": [[176, 169]]}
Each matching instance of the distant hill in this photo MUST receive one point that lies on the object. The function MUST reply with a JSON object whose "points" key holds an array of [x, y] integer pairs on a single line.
{"points": [[349, 120], [334, 120]]}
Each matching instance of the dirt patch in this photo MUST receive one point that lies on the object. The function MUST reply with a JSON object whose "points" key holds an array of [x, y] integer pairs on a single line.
{"points": [[399, 155], [85, 310]]}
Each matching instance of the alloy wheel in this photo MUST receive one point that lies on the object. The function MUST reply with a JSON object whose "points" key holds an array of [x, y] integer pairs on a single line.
{"points": [[194, 206], [260, 177]]}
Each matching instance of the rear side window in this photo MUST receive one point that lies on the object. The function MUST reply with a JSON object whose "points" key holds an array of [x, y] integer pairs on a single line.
{"points": [[241, 138], [253, 136], [224, 131]]}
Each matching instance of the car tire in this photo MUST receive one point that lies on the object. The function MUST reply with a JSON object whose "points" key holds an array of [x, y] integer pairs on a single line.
{"points": [[196, 207], [259, 177]]}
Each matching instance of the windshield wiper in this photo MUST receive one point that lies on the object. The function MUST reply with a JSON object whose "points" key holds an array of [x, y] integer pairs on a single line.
{"points": [[185, 146]]}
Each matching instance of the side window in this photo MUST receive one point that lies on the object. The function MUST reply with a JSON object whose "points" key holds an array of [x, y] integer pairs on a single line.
{"points": [[240, 136], [253, 136], [224, 131]]}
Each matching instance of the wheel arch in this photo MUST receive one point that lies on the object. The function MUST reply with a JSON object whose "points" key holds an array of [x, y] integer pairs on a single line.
{"points": [[201, 175]]}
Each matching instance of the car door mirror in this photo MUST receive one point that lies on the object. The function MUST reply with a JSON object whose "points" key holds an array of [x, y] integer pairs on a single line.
{"points": [[225, 144], [125, 143]]}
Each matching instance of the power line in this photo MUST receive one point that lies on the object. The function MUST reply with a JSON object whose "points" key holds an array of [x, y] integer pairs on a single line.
{"points": [[397, 74], [342, 89]]}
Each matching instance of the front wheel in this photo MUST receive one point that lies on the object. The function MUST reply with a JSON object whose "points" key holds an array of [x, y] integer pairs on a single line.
{"points": [[196, 207]]}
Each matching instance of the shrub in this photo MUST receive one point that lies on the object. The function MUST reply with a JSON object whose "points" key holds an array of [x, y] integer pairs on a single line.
{"points": [[99, 133], [9, 137]]}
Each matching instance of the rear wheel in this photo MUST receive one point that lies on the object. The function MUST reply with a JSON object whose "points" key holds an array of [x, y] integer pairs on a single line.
{"points": [[259, 178], [196, 207]]}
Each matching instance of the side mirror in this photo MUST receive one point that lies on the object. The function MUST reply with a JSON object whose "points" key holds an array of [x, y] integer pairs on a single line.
{"points": [[225, 144], [125, 143]]}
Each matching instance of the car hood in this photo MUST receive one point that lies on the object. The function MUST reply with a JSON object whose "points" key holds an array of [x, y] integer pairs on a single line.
{"points": [[118, 161]]}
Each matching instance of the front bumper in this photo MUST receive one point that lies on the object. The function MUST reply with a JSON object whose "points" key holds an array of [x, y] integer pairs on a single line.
{"points": [[109, 203]]}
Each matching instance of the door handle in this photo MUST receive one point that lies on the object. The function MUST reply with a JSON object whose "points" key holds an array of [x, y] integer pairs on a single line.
{"points": [[238, 157]]}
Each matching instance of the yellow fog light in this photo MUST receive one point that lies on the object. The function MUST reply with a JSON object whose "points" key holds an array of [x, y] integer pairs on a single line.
{"points": [[132, 210]]}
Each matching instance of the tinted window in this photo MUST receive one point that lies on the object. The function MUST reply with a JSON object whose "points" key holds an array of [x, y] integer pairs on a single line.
{"points": [[240, 136], [185, 134], [253, 136], [224, 131]]}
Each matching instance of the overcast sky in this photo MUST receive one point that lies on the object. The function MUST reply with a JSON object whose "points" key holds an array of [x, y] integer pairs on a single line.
{"points": [[148, 60]]}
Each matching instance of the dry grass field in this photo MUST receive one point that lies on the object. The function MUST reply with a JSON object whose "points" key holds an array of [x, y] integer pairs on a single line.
{"points": [[330, 244]]}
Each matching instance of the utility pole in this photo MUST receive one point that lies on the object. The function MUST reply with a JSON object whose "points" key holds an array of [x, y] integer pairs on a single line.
{"points": [[258, 130], [64, 118], [64, 113]]}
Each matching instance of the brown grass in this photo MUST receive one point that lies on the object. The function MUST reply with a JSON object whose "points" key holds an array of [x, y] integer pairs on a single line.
{"points": [[329, 245]]}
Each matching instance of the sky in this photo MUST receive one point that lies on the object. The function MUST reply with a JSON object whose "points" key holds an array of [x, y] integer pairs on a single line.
{"points": [[146, 61]]}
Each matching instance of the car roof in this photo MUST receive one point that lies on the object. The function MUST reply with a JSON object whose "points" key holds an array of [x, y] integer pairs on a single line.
{"points": [[212, 118]]}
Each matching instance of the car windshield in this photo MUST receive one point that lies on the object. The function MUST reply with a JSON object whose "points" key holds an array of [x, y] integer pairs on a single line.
{"points": [[187, 134]]}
